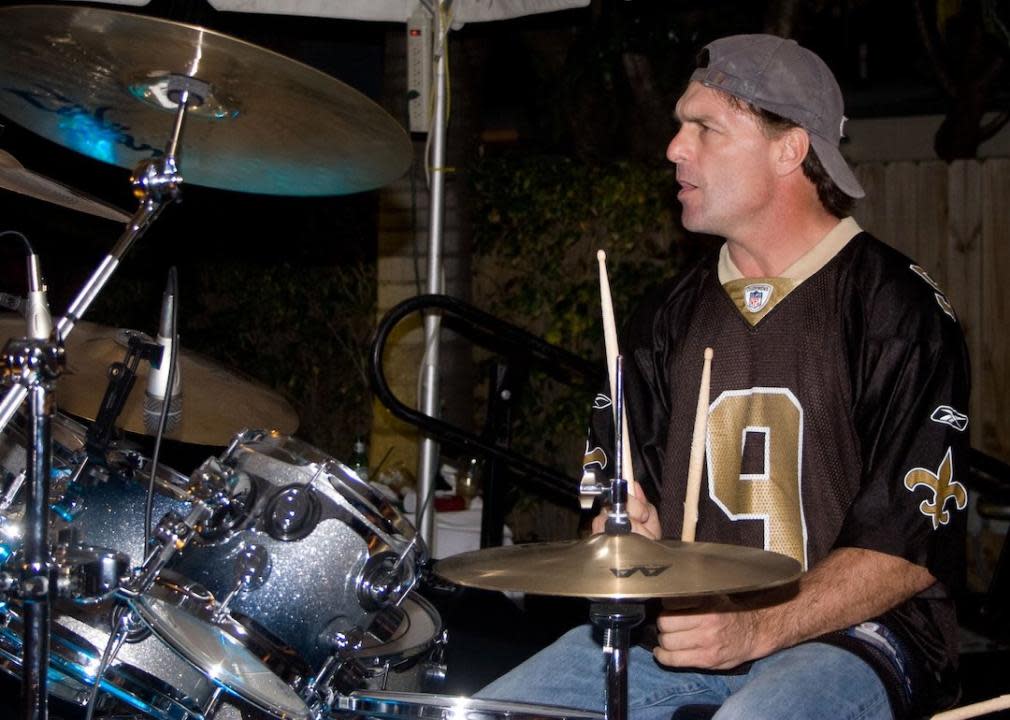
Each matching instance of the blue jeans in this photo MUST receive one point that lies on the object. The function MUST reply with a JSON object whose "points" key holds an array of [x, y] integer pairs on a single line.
{"points": [[813, 680]]}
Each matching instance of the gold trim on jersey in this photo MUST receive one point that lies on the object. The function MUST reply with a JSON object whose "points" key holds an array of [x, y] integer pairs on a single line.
{"points": [[750, 295]]}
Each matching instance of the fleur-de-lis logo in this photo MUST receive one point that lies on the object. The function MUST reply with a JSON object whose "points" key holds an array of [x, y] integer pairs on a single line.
{"points": [[595, 456], [944, 487]]}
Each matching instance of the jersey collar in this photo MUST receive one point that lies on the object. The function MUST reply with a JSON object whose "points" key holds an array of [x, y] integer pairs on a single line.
{"points": [[755, 297]]}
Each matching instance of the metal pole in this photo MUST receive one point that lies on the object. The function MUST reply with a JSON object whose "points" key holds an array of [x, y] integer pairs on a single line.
{"points": [[427, 462], [35, 569]]}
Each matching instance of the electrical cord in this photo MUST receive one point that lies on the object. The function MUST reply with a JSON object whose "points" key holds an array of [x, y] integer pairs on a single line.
{"points": [[173, 282]]}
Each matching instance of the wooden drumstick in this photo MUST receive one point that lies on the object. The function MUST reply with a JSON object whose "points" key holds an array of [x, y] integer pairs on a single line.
{"points": [[610, 340], [976, 709], [697, 453]]}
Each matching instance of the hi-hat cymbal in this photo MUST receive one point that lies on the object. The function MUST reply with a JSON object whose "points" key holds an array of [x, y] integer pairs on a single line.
{"points": [[621, 567], [103, 83], [216, 403], [15, 176]]}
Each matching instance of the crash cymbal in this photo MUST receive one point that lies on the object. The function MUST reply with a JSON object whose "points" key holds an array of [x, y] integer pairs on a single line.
{"points": [[216, 403], [621, 567], [14, 176], [100, 82]]}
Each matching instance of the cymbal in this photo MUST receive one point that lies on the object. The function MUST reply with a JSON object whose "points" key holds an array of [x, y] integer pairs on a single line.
{"points": [[216, 403], [100, 82], [621, 567], [14, 176]]}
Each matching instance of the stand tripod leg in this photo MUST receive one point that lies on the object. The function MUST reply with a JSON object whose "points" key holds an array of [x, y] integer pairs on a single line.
{"points": [[616, 621]]}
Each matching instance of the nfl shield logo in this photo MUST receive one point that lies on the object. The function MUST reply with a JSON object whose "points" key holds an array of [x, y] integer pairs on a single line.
{"points": [[757, 296]]}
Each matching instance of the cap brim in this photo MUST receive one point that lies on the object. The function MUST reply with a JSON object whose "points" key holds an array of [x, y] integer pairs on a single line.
{"points": [[836, 166]]}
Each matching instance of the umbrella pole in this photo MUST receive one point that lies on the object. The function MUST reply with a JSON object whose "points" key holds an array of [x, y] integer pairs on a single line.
{"points": [[427, 463]]}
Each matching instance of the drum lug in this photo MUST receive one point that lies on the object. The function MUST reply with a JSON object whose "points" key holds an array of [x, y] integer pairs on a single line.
{"points": [[230, 493], [251, 567], [384, 581], [435, 668]]}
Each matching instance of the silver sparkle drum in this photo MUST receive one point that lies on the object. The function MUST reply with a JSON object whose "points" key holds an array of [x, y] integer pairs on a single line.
{"points": [[146, 674], [315, 555], [417, 706], [105, 507], [100, 512], [184, 618]]}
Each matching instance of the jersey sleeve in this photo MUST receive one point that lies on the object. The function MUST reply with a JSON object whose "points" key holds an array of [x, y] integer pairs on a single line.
{"points": [[911, 384]]}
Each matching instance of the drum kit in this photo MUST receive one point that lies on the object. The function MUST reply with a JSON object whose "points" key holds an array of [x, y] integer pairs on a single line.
{"points": [[276, 581]]}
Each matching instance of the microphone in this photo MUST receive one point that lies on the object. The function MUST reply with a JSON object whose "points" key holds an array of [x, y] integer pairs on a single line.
{"points": [[157, 381], [40, 322]]}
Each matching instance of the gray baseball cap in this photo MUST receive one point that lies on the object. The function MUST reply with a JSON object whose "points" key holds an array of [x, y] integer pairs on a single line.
{"points": [[780, 76]]}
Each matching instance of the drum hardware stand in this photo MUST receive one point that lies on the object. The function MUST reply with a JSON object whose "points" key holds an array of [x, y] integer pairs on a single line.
{"points": [[33, 365], [616, 619], [341, 667], [122, 377]]}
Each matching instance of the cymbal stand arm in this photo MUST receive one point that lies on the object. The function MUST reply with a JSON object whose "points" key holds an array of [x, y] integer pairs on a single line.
{"points": [[618, 522], [156, 182]]}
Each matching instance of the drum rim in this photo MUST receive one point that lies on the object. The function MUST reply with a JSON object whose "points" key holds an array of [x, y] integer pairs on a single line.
{"points": [[249, 691], [388, 703], [396, 651]]}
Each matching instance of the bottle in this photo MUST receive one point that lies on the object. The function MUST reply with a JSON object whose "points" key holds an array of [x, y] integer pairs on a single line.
{"points": [[359, 458], [468, 483]]}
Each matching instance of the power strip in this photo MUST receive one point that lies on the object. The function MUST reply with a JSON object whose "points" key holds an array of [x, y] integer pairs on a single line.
{"points": [[419, 70]]}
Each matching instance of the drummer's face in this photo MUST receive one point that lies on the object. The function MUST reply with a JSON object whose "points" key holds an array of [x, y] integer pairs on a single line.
{"points": [[725, 163]]}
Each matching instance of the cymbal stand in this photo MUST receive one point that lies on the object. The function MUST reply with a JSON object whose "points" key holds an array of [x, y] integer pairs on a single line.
{"points": [[616, 619], [32, 365]]}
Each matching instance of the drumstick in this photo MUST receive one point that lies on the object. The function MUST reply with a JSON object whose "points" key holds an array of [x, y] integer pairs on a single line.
{"points": [[697, 453], [610, 340], [976, 709]]}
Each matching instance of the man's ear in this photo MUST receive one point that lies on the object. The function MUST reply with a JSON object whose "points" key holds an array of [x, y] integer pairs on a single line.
{"points": [[793, 146]]}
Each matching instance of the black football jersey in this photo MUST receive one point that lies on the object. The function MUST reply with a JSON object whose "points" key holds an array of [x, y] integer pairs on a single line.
{"points": [[837, 418]]}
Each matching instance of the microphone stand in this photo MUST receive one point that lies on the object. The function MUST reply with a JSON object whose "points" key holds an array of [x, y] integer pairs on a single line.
{"points": [[33, 365]]}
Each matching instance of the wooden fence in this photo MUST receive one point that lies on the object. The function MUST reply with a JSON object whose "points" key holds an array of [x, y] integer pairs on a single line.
{"points": [[955, 221]]}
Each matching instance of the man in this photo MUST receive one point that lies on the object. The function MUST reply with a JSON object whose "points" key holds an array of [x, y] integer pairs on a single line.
{"points": [[836, 425]]}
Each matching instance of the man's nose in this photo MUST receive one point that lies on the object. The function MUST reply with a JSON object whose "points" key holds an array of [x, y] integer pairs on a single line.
{"points": [[675, 150]]}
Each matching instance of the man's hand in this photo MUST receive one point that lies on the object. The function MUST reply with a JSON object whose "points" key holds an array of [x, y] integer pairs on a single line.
{"points": [[643, 515], [718, 637], [847, 587]]}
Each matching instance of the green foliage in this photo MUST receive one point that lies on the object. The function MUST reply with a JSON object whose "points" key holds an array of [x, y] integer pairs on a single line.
{"points": [[539, 223]]}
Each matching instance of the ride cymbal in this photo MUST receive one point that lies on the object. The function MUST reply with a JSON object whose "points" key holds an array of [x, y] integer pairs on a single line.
{"points": [[216, 403], [105, 84], [15, 176], [621, 567]]}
